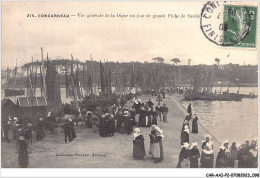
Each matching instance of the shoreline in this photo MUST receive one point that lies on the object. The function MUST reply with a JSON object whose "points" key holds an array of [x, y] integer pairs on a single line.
{"points": [[176, 100]]}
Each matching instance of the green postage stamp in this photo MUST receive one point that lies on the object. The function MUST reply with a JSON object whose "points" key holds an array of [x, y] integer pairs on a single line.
{"points": [[240, 26], [227, 24]]}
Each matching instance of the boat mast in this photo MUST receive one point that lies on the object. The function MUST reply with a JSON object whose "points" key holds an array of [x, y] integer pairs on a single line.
{"points": [[35, 80], [84, 81], [72, 80], [93, 81], [15, 71], [43, 75], [212, 79], [31, 72]]}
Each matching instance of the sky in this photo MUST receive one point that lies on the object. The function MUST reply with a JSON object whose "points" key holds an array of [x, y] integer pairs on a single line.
{"points": [[111, 38]]}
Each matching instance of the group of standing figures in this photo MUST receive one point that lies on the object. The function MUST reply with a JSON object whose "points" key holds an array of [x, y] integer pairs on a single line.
{"points": [[148, 116], [246, 155], [111, 120], [117, 118], [156, 146]]}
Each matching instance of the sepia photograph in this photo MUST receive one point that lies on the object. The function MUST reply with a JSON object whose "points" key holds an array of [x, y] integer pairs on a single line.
{"points": [[130, 85]]}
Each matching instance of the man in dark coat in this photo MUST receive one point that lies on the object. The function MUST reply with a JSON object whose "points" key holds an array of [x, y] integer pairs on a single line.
{"points": [[28, 135], [23, 153], [67, 130], [19, 132], [150, 103], [165, 112], [158, 110]]}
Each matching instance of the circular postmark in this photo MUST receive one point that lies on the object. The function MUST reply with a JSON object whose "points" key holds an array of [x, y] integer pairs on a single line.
{"points": [[225, 24]]}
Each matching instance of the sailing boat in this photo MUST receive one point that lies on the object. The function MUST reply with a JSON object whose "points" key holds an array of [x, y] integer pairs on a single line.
{"points": [[13, 91], [202, 89]]}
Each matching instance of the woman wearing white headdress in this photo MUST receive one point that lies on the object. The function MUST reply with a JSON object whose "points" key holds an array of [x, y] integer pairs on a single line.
{"points": [[194, 155], [184, 155], [138, 143], [253, 155], [185, 135], [221, 157], [207, 157], [158, 147], [207, 141], [152, 136]]}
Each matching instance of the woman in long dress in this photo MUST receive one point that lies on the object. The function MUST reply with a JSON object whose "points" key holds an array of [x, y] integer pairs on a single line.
{"points": [[184, 161], [72, 129], [154, 117], [243, 156], [221, 157], [158, 147], [207, 157], [23, 158], [234, 151], [152, 136], [142, 117], [185, 135], [40, 130], [195, 124], [253, 155], [138, 143], [194, 155]]}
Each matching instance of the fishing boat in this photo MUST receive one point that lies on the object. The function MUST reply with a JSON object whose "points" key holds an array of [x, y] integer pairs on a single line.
{"points": [[13, 91], [212, 96], [202, 89], [249, 95]]}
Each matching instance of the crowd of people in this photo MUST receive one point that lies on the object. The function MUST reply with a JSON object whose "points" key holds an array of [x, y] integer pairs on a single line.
{"points": [[117, 118], [243, 156], [21, 132]]}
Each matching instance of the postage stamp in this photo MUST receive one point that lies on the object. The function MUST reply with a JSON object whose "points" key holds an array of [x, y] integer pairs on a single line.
{"points": [[240, 26], [229, 25]]}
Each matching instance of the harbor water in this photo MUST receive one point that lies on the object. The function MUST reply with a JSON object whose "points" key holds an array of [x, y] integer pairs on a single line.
{"points": [[232, 120]]}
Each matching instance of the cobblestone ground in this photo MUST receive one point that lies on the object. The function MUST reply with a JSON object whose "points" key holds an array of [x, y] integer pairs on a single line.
{"points": [[89, 150]]}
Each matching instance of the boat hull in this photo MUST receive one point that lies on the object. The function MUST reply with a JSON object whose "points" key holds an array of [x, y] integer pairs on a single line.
{"points": [[212, 97]]}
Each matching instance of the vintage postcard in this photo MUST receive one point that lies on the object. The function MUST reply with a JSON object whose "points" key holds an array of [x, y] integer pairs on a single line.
{"points": [[129, 84]]}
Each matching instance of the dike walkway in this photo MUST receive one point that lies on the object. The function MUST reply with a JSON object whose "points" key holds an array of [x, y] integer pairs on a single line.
{"points": [[89, 150]]}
